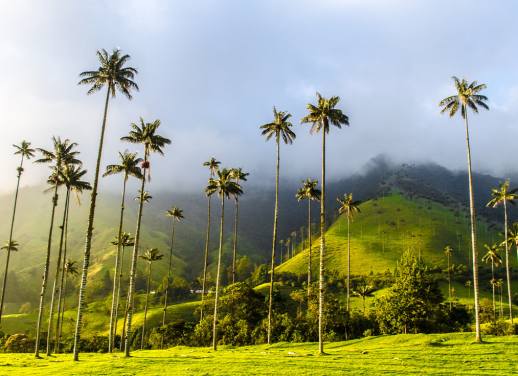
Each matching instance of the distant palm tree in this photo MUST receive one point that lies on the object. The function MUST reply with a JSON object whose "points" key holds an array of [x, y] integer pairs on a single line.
{"points": [[498, 284], [225, 186], [364, 291], [146, 135], [11, 245], [115, 76], [468, 96], [62, 154], [128, 166], [150, 256], [350, 208], [25, 152], [213, 166], [126, 241], [321, 116], [504, 195], [448, 252], [176, 215], [279, 128], [512, 237], [70, 269], [310, 192], [238, 175], [492, 257]]}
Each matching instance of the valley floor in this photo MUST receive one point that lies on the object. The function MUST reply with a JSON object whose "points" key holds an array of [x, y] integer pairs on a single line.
{"points": [[437, 354]]}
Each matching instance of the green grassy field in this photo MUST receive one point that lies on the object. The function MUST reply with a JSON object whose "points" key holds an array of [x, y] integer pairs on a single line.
{"points": [[438, 354]]}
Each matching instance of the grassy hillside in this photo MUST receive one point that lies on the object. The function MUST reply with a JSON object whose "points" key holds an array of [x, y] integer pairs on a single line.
{"points": [[437, 354], [386, 228]]}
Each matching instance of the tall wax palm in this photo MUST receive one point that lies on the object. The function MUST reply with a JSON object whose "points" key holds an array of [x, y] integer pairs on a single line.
{"points": [[467, 96], [310, 192], [225, 187], [503, 195], [25, 152], [70, 269], [150, 256], [364, 291], [115, 76], [512, 236], [279, 129], [321, 116], [448, 252], [213, 166], [176, 215], [499, 283], [146, 135], [127, 166], [238, 175], [492, 257], [62, 154], [350, 208]]}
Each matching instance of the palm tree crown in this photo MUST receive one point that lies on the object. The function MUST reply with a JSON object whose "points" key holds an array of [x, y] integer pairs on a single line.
{"points": [[213, 165], [152, 254], [224, 184], [501, 194], [467, 96], [323, 113], [10, 246], [129, 165], [448, 251], [308, 191], [126, 240], [492, 255], [348, 205], [71, 267], [279, 127], [176, 214]]}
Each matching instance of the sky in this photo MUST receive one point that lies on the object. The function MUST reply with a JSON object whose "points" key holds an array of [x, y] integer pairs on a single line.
{"points": [[211, 71]]}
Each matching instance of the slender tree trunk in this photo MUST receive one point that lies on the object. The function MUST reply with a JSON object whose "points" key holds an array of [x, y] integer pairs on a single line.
{"points": [[62, 319], [55, 286], [348, 259], [234, 250], [274, 243], [168, 283], [449, 281], [45, 273], [310, 248], [473, 219], [501, 303], [507, 270], [89, 234], [493, 288], [321, 282], [113, 329], [216, 297], [123, 334], [205, 258], [4, 282], [133, 270], [117, 303], [145, 305]]}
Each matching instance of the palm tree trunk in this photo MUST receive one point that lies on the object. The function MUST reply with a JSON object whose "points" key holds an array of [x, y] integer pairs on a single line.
{"points": [[234, 251], [145, 305], [56, 277], [274, 243], [4, 282], [45, 273], [348, 259], [60, 327], [168, 283], [205, 258], [501, 303], [113, 329], [473, 219], [123, 334], [133, 270], [449, 281], [89, 233], [216, 297], [509, 292], [321, 282], [493, 288], [117, 303], [310, 248]]}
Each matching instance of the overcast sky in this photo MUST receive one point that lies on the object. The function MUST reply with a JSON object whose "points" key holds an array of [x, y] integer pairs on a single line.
{"points": [[213, 70]]}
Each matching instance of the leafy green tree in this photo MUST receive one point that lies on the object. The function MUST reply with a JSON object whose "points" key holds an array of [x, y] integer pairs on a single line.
{"points": [[25, 152], [350, 208], [128, 166], [468, 96], [448, 252], [238, 175], [146, 135], [492, 257], [502, 196], [321, 116], [150, 256], [279, 128], [113, 74], [225, 186], [213, 166]]}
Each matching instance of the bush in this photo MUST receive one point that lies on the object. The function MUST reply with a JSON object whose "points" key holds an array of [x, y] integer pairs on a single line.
{"points": [[19, 343], [500, 328]]}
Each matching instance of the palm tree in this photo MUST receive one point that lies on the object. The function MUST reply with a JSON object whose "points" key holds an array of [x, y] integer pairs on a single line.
{"points": [[279, 128], [238, 175], [225, 186], [321, 116], [492, 257], [115, 76], [176, 215], [350, 208], [146, 135], [128, 166], [364, 291], [468, 96], [310, 192], [25, 152], [512, 236], [63, 154], [448, 252], [503, 195], [213, 166], [498, 284], [150, 256], [70, 269]]}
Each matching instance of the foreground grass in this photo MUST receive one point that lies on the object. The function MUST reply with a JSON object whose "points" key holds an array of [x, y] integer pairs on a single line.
{"points": [[438, 354]]}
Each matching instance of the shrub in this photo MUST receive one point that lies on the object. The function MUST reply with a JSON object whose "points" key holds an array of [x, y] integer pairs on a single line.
{"points": [[19, 343]]}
